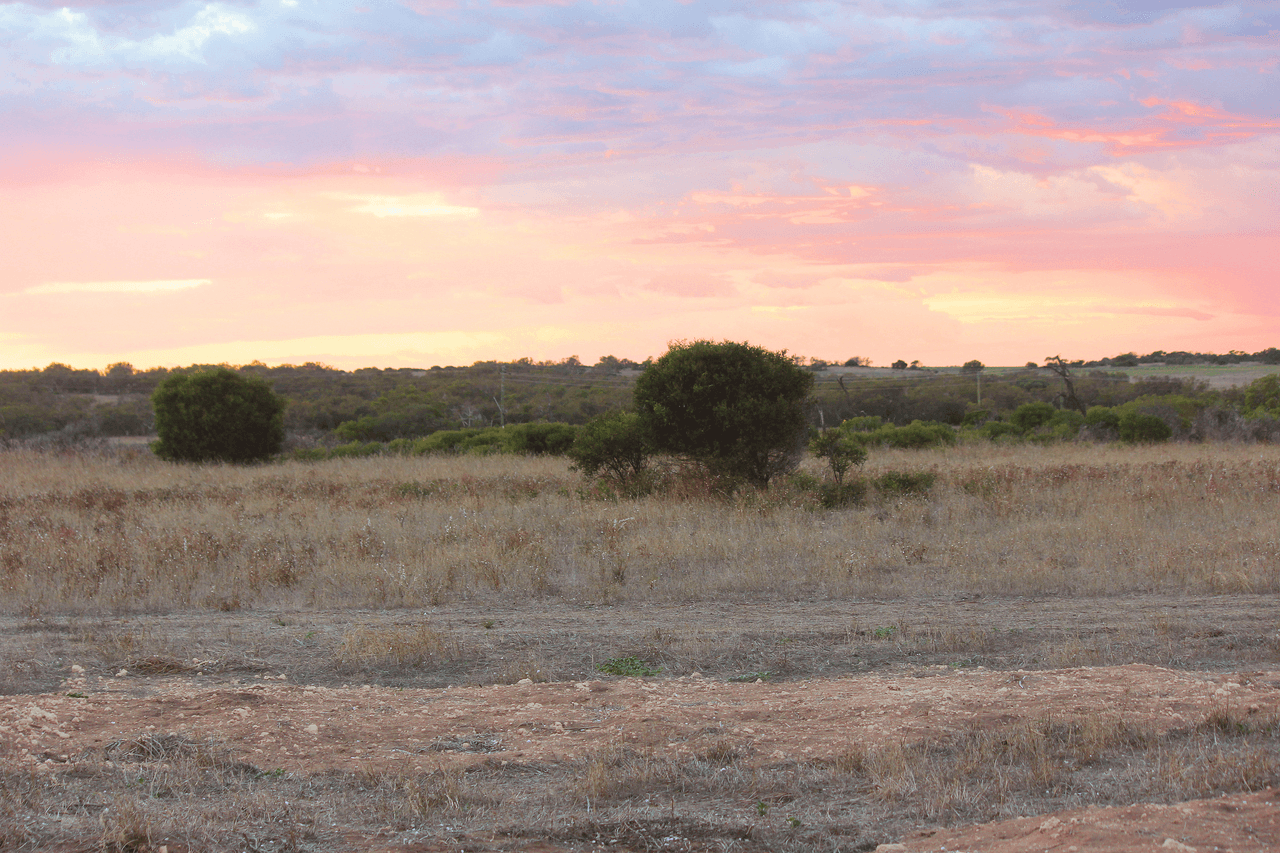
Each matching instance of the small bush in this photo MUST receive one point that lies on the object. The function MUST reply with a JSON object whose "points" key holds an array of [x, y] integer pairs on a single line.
{"points": [[632, 667], [1065, 426], [1142, 428], [862, 424], [444, 441], [995, 430], [915, 435], [483, 441], [1262, 396], [1030, 416], [540, 439], [1104, 416], [841, 450], [615, 444]]}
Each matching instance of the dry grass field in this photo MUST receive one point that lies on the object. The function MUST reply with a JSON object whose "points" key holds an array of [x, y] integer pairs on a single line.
{"points": [[121, 534], [148, 613]]}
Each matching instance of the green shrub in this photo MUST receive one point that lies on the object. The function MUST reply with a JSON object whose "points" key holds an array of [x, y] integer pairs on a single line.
{"points": [[217, 416], [1066, 424], [915, 435], [19, 421], [476, 440], [995, 430], [615, 444], [540, 439], [1102, 416], [483, 441], [633, 667], [736, 408], [841, 451], [866, 423], [1031, 416], [444, 441], [404, 423], [1139, 427], [1262, 396]]}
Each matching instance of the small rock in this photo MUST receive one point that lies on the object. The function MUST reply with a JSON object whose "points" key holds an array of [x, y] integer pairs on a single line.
{"points": [[525, 681], [313, 729], [77, 669], [122, 673], [1177, 846]]}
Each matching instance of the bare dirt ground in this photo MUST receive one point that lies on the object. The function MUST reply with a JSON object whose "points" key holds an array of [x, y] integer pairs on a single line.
{"points": [[999, 726]]}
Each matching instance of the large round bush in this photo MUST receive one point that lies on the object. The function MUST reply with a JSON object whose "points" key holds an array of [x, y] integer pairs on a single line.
{"points": [[217, 416], [737, 408]]}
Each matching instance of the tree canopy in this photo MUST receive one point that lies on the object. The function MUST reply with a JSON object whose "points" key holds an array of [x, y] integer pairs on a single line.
{"points": [[735, 407], [217, 416]]}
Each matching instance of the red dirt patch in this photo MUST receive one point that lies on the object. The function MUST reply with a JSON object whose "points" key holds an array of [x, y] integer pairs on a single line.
{"points": [[278, 726]]}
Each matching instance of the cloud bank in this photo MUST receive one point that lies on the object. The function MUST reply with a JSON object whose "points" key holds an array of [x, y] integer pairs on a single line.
{"points": [[898, 180]]}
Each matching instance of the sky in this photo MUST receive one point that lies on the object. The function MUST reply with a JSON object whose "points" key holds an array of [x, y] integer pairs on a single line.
{"points": [[404, 184]]}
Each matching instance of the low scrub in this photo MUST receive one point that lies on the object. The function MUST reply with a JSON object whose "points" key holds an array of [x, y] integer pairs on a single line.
{"points": [[534, 439], [914, 436]]}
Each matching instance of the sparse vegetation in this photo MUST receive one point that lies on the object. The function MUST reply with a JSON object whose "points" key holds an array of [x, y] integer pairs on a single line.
{"points": [[176, 790], [630, 666], [100, 550], [116, 533]]}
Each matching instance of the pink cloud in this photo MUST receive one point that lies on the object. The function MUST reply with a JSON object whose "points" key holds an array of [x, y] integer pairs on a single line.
{"points": [[689, 283], [1167, 130], [539, 178]]}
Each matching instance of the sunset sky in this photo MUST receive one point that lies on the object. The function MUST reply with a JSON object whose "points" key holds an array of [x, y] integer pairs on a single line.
{"points": [[435, 182]]}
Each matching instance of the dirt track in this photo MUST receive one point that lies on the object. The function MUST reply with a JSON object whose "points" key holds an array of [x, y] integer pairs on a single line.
{"points": [[316, 729], [503, 740]]}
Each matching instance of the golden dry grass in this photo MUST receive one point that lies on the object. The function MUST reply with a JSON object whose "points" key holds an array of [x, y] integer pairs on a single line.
{"points": [[84, 533], [393, 646]]}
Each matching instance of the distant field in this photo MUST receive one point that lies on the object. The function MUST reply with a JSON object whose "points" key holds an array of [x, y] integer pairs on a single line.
{"points": [[1217, 375]]}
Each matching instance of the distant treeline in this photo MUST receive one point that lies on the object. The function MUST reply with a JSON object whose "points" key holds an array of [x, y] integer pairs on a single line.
{"points": [[1271, 355], [327, 406], [365, 404]]}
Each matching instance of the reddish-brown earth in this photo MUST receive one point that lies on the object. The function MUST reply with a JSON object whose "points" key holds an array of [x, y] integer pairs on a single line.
{"points": [[274, 725]]}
